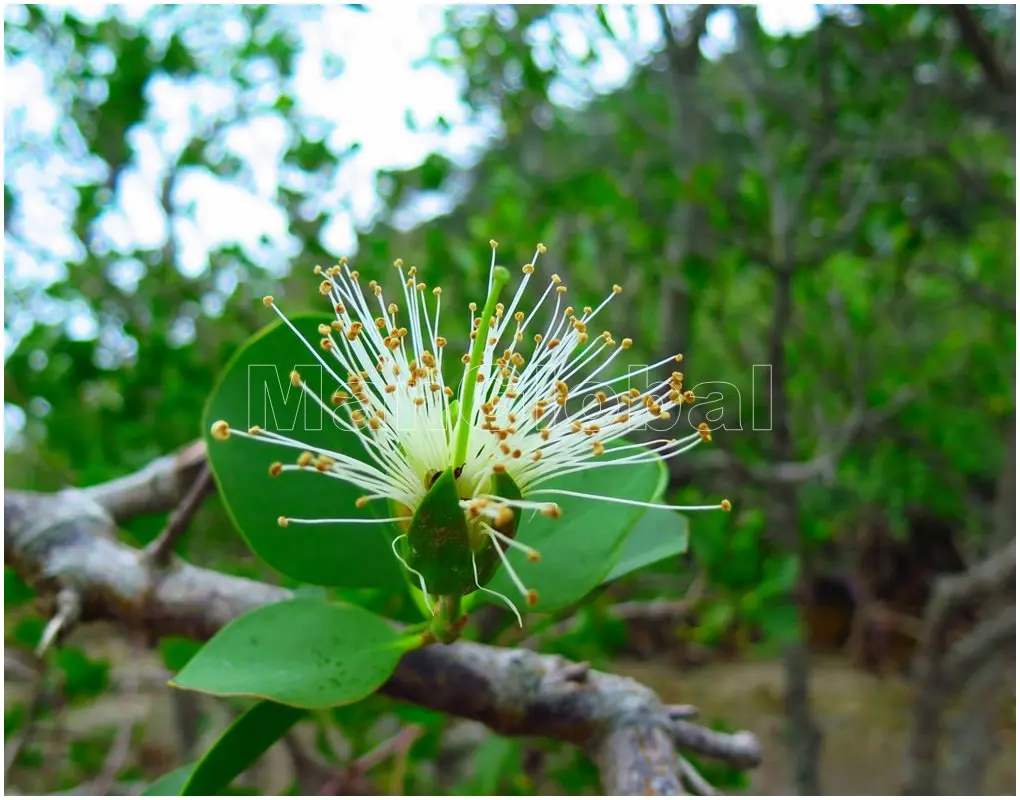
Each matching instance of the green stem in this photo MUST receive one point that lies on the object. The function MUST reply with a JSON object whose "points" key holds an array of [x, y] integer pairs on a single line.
{"points": [[500, 278], [451, 608]]}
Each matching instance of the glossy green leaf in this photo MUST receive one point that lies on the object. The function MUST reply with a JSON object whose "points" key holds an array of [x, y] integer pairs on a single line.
{"points": [[658, 535], [240, 746], [579, 548], [255, 390], [305, 652], [170, 784]]}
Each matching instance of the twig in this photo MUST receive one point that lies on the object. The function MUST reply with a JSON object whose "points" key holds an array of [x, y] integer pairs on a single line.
{"points": [[68, 612], [401, 741], [311, 773], [740, 749], [695, 780], [41, 699], [654, 610], [115, 759], [661, 610], [982, 644], [159, 551], [682, 712]]}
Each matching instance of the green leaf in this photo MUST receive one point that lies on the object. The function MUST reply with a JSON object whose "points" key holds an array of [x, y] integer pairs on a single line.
{"points": [[658, 535], [170, 784], [305, 653], [255, 390], [16, 591], [580, 547], [240, 746], [437, 539], [84, 677]]}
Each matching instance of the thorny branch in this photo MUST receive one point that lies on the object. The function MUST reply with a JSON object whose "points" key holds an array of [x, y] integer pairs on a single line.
{"points": [[68, 540]]}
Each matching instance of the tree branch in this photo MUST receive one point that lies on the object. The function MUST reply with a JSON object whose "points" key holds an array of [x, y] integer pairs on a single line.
{"points": [[937, 674], [163, 546], [979, 43], [158, 487], [67, 540]]}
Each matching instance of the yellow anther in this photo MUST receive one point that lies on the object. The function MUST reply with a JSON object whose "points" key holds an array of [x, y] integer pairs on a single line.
{"points": [[220, 430], [268, 300]]}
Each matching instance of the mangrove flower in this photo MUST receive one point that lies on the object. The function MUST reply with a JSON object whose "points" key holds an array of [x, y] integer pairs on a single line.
{"points": [[460, 465]]}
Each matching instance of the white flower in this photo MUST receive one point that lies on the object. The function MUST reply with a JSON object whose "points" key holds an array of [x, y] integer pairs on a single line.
{"points": [[533, 403]]}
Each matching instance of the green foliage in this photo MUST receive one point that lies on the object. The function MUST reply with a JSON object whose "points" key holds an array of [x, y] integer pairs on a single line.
{"points": [[241, 744], [656, 536], [580, 547], [84, 678], [305, 653], [255, 389], [169, 784]]}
